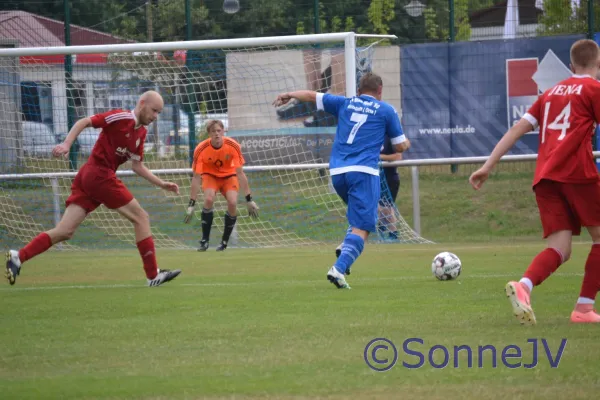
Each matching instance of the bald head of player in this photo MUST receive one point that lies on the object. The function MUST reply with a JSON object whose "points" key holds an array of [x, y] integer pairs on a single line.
{"points": [[148, 107], [370, 84]]}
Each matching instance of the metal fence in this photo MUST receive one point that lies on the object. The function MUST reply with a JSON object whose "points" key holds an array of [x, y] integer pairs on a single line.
{"points": [[53, 22]]}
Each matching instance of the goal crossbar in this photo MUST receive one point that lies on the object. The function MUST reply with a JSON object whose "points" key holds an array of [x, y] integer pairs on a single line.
{"points": [[191, 44]]}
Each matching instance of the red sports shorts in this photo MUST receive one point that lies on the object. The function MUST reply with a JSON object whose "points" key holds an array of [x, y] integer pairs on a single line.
{"points": [[567, 206], [223, 185], [95, 185]]}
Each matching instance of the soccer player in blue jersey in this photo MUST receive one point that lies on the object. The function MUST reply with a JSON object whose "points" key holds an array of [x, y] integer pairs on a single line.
{"points": [[363, 122]]}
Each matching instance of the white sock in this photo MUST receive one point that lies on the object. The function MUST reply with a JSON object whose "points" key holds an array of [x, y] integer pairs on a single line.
{"points": [[527, 282], [585, 300]]}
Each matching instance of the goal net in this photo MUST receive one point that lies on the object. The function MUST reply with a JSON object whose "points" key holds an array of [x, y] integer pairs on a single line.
{"points": [[286, 148]]}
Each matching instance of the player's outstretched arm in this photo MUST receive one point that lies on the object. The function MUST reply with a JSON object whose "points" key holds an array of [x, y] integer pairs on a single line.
{"points": [[139, 168], [245, 187], [391, 157], [504, 145], [63, 148], [302, 95], [194, 190]]}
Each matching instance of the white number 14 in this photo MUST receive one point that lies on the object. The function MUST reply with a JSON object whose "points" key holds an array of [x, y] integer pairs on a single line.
{"points": [[561, 123]]}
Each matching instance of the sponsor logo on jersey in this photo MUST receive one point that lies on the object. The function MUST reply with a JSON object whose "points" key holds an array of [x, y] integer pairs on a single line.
{"points": [[124, 152]]}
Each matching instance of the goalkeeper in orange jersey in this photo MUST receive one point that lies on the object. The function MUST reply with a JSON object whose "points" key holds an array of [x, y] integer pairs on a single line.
{"points": [[217, 166]]}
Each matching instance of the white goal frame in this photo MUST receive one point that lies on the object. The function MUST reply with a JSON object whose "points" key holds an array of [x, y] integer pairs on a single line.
{"points": [[349, 40]]}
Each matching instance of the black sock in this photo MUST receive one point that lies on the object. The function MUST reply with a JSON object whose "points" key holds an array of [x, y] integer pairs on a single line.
{"points": [[229, 224], [207, 218]]}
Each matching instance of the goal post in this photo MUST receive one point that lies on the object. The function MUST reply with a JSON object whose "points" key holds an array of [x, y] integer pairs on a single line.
{"points": [[233, 80]]}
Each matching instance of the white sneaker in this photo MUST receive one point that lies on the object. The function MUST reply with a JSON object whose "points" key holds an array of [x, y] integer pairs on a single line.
{"points": [[13, 266], [338, 279], [164, 275]]}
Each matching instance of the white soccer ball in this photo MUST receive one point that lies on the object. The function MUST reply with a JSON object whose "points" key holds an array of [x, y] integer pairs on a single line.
{"points": [[446, 266]]}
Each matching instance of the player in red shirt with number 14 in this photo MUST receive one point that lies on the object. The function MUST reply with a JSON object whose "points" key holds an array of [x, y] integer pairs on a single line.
{"points": [[122, 139], [566, 181]]}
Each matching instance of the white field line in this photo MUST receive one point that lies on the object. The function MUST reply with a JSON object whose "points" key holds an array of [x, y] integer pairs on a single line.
{"points": [[375, 246], [269, 283], [450, 247]]}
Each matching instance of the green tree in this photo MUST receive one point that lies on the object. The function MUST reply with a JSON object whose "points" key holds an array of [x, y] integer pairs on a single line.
{"points": [[110, 16], [170, 24], [437, 16], [558, 19], [380, 13], [437, 20], [349, 25], [474, 5], [116, 20], [49, 8], [260, 18], [433, 31], [333, 16], [461, 15], [127, 18]]}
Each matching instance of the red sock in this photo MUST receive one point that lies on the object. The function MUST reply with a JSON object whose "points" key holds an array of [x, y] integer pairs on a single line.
{"points": [[38, 245], [591, 278], [543, 265], [148, 253]]}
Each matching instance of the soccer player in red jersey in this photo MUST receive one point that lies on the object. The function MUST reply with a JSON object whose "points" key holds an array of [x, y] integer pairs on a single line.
{"points": [[122, 139], [566, 181]]}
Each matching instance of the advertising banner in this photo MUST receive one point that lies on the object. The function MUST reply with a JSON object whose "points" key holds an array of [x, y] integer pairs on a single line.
{"points": [[459, 99]]}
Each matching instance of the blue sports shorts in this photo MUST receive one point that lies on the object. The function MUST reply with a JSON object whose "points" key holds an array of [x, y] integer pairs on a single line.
{"points": [[360, 192]]}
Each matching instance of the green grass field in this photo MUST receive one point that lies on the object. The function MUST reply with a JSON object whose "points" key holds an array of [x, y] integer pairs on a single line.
{"points": [[265, 324]]}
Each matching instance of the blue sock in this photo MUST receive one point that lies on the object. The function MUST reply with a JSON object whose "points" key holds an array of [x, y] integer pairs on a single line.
{"points": [[351, 248]]}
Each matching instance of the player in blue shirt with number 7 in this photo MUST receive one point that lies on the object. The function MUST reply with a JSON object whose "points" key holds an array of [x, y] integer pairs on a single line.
{"points": [[363, 122]]}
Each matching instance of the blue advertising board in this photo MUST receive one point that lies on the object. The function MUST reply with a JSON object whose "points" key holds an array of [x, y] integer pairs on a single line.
{"points": [[458, 99]]}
